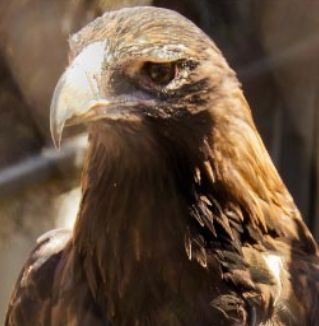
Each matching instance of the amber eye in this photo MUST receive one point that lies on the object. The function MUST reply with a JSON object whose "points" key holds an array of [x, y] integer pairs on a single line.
{"points": [[160, 73]]}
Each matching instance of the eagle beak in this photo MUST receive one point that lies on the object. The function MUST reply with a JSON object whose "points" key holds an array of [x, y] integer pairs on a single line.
{"points": [[76, 97]]}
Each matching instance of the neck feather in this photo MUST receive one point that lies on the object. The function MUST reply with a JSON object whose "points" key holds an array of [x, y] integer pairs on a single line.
{"points": [[146, 205], [133, 216]]}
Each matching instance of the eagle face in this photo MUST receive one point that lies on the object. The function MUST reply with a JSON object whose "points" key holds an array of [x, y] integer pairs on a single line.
{"points": [[138, 66]]}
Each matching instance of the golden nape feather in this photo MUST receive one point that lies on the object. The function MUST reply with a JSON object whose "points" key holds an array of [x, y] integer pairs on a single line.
{"points": [[184, 219]]}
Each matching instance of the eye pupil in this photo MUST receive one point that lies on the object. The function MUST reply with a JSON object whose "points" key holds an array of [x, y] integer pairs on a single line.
{"points": [[160, 73]]}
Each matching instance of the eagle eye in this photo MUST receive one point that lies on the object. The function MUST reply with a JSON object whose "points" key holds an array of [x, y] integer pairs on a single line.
{"points": [[160, 73]]}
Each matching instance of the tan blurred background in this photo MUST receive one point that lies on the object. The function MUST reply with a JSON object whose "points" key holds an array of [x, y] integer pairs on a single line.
{"points": [[273, 45]]}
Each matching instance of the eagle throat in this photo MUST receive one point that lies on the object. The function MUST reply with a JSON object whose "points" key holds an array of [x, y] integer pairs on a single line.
{"points": [[134, 217]]}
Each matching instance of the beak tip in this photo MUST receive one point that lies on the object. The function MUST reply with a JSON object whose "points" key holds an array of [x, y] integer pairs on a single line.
{"points": [[56, 134], [57, 144]]}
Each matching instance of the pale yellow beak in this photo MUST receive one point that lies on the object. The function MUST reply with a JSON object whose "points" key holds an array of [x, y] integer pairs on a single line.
{"points": [[77, 96]]}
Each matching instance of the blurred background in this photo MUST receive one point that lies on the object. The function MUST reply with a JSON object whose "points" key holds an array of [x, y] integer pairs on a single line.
{"points": [[273, 46]]}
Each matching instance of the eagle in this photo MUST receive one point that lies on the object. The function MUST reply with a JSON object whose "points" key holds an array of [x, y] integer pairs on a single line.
{"points": [[184, 220]]}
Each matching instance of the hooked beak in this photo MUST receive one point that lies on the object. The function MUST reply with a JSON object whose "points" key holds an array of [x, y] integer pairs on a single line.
{"points": [[76, 97]]}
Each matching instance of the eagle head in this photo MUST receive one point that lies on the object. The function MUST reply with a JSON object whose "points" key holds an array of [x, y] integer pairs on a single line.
{"points": [[142, 66]]}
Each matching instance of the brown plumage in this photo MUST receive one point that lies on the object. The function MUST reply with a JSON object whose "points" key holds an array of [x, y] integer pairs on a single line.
{"points": [[184, 219]]}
